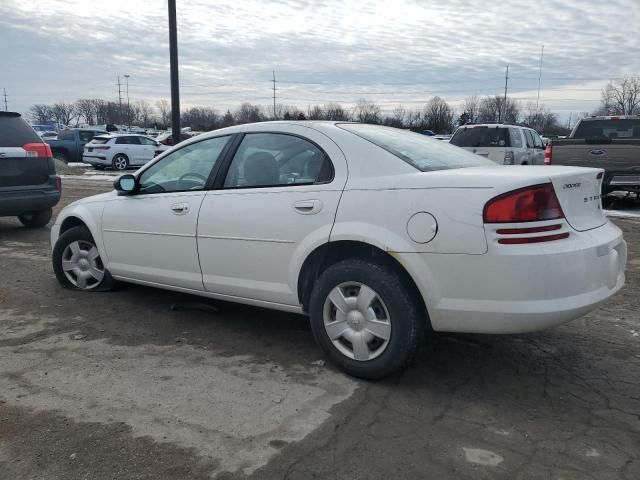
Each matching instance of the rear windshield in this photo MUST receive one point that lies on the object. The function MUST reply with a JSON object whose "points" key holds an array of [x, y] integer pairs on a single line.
{"points": [[15, 132], [481, 136], [422, 152], [622, 128], [99, 140]]}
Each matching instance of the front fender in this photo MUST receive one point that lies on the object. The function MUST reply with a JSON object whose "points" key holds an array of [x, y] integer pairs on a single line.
{"points": [[90, 214]]}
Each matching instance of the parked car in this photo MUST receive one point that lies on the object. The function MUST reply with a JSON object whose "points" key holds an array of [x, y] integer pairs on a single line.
{"points": [[502, 143], [378, 234], [120, 151], [29, 186], [69, 144], [611, 142]]}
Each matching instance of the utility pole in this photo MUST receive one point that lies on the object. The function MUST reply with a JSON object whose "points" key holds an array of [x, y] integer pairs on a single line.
{"points": [[173, 63], [120, 97], [128, 106], [539, 77], [6, 108], [274, 94], [504, 106]]}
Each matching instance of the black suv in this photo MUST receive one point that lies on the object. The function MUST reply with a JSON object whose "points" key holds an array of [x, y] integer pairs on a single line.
{"points": [[29, 186]]}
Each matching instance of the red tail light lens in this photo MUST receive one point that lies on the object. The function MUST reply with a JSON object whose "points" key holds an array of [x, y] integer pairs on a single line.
{"points": [[40, 150], [530, 204], [548, 154]]}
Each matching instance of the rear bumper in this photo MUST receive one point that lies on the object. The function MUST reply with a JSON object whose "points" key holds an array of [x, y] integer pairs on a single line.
{"points": [[521, 288], [17, 202]]}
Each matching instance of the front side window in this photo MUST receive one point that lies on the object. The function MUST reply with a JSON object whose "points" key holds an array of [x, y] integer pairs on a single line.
{"points": [[187, 168], [420, 151], [274, 159], [147, 141]]}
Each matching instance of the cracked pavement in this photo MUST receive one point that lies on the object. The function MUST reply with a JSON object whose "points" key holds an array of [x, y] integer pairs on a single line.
{"points": [[122, 385]]}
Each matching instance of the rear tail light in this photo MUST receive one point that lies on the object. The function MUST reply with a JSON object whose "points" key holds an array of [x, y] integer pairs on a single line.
{"points": [[600, 175], [530, 204], [509, 158], [39, 150], [548, 154]]}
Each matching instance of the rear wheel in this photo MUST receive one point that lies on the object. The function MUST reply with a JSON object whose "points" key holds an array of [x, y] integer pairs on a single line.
{"points": [[120, 162], [36, 219], [77, 263], [365, 318], [62, 156]]}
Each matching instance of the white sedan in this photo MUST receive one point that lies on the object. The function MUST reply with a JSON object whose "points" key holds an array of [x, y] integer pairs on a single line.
{"points": [[378, 234], [120, 151]]}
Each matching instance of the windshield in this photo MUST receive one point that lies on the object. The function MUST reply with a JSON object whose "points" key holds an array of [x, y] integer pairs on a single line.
{"points": [[422, 152], [481, 136], [607, 128]]}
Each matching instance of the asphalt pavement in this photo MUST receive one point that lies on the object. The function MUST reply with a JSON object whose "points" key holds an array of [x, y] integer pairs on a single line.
{"points": [[148, 384]]}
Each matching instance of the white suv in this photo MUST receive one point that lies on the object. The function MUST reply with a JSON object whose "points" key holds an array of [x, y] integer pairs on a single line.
{"points": [[502, 143], [120, 151]]}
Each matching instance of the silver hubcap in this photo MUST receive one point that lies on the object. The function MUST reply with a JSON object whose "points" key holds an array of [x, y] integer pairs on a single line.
{"points": [[121, 163], [357, 321], [82, 265]]}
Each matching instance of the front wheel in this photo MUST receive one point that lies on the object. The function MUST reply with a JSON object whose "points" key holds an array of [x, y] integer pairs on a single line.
{"points": [[365, 318], [36, 219], [120, 162], [77, 263]]}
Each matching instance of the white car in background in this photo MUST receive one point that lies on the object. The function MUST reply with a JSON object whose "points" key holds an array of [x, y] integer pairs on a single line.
{"points": [[378, 234], [501, 143], [121, 151]]}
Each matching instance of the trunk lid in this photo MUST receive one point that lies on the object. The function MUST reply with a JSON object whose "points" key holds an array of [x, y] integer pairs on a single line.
{"points": [[578, 191]]}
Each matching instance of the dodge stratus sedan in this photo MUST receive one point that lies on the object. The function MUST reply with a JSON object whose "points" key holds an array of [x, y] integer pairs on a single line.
{"points": [[379, 235]]}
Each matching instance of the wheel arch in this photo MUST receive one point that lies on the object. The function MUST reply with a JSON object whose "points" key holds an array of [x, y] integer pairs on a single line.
{"points": [[81, 216], [332, 252]]}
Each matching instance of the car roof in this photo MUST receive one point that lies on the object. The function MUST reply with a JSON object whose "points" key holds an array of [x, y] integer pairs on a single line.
{"points": [[610, 117]]}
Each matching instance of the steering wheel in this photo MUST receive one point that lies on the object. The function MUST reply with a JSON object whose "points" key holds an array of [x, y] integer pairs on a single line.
{"points": [[193, 174]]}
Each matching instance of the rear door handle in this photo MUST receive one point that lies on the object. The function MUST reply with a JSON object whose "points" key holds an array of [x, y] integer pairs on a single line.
{"points": [[180, 208], [307, 207]]}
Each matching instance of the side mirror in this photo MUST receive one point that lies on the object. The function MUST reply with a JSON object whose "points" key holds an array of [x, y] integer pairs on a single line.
{"points": [[126, 184]]}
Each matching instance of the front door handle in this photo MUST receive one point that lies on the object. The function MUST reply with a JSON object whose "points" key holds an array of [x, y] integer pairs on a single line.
{"points": [[180, 208], [307, 207]]}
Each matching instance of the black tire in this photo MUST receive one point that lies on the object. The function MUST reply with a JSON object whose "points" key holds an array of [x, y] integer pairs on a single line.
{"points": [[115, 160], [36, 219], [77, 234], [407, 317]]}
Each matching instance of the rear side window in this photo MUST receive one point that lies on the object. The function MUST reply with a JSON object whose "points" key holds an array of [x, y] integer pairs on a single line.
{"points": [[422, 152], [529, 138], [128, 141], [481, 136], [86, 135], [99, 140], [15, 132], [622, 128], [275, 159], [516, 138]]}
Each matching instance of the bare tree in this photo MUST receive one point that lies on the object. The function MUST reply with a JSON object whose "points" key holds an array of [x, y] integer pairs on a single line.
{"points": [[63, 112], [397, 117], [334, 111], [85, 110], [438, 116], [164, 108], [470, 107], [315, 113], [248, 113], [366, 112], [494, 109], [414, 119], [144, 112], [41, 113], [227, 119], [621, 97]]}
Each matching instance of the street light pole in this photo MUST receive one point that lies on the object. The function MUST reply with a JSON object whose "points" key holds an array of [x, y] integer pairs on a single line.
{"points": [[173, 63], [128, 106]]}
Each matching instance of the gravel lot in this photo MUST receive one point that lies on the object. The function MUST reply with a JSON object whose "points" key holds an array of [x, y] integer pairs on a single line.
{"points": [[144, 384]]}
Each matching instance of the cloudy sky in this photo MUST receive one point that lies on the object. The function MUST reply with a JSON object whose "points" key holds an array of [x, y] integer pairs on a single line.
{"points": [[391, 51]]}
